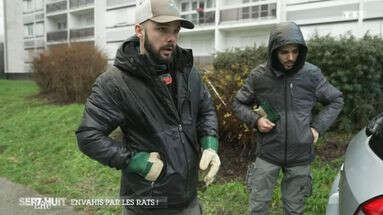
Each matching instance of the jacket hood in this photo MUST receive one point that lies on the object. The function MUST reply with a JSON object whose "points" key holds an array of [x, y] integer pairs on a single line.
{"points": [[129, 60], [282, 34]]}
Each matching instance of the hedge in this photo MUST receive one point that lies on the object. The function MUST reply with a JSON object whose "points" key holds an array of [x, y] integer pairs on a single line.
{"points": [[352, 65]]}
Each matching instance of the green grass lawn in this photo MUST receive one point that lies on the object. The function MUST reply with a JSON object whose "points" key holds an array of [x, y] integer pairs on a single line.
{"points": [[38, 149]]}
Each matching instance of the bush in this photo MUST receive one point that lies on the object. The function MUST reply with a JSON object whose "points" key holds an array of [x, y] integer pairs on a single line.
{"points": [[352, 65], [65, 73], [226, 84], [249, 57], [231, 69]]}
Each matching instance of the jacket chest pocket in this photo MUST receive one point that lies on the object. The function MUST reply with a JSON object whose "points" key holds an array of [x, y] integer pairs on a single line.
{"points": [[302, 96]]}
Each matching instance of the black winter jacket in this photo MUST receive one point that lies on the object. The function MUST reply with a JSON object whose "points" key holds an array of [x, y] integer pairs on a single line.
{"points": [[293, 95], [132, 96]]}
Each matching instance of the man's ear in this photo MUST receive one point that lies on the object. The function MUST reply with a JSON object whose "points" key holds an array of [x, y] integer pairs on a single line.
{"points": [[139, 29]]}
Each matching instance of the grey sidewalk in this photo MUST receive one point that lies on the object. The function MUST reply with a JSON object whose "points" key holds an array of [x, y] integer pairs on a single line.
{"points": [[11, 195]]}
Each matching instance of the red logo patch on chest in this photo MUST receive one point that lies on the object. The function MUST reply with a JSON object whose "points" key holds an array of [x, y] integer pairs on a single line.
{"points": [[167, 79]]}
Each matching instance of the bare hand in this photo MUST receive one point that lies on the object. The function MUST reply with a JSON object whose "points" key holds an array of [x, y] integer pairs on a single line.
{"points": [[264, 125], [315, 134]]}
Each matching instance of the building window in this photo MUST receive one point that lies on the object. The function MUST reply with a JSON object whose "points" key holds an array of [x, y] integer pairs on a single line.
{"points": [[210, 17], [61, 25], [201, 5], [209, 3], [185, 6], [28, 30], [273, 9], [194, 5], [39, 29], [194, 18], [28, 6], [255, 12], [246, 13], [39, 5], [264, 10], [87, 19]]}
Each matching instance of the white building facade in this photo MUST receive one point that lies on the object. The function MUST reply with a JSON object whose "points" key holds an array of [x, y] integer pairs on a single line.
{"points": [[34, 25]]}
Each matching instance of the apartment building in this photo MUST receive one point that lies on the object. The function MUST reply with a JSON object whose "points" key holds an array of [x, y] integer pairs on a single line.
{"points": [[33, 25]]}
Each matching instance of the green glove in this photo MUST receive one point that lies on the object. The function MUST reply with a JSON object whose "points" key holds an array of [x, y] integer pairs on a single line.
{"points": [[210, 157], [209, 142], [266, 110], [148, 165]]}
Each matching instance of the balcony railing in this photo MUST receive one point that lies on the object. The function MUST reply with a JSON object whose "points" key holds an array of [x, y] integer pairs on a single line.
{"points": [[56, 6], [39, 17], [245, 14], [81, 33], [80, 3], [40, 42], [29, 44], [201, 18], [111, 3], [57, 36], [28, 18]]}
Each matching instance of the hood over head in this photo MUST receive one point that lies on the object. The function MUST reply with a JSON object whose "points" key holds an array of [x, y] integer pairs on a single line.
{"points": [[282, 34]]}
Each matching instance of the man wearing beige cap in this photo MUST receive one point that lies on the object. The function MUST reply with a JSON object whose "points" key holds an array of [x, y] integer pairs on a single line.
{"points": [[156, 96]]}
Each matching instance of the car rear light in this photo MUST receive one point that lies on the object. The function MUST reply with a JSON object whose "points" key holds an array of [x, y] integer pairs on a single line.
{"points": [[371, 207]]}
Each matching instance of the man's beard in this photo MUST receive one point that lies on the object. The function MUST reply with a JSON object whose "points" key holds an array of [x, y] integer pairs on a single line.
{"points": [[154, 55]]}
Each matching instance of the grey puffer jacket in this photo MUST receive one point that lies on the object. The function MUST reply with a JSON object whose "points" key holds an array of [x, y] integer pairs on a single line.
{"points": [[293, 94], [132, 96]]}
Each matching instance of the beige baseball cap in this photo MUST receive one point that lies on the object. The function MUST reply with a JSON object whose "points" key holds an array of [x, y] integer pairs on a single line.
{"points": [[161, 11]]}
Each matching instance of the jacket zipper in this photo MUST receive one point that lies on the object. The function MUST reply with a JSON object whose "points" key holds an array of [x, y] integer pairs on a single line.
{"points": [[186, 161], [175, 109], [286, 118]]}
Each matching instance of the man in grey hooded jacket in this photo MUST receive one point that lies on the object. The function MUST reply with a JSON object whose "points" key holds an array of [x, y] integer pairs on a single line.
{"points": [[286, 88]]}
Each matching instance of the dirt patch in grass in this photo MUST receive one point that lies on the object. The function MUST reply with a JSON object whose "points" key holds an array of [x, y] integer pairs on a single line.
{"points": [[234, 161], [333, 146], [331, 150]]}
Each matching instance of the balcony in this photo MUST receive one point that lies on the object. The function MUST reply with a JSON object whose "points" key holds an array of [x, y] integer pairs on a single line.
{"points": [[28, 18], [324, 15], [34, 42], [56, 6], [113, 3], [296, 2], [40, 43], [373, 9], [29, 44], [81, 33], [249, 14], [74, 4], [201, 18], [39, 17], [56, 36]]}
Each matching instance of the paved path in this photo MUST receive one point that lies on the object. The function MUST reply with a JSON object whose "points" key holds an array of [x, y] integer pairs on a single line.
{"points": [[11, 195]]}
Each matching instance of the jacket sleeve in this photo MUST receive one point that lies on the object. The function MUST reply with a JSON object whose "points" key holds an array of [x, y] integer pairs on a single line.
{"points": [[101, 116], [207, 123], [244, 101], [332, 99]]}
